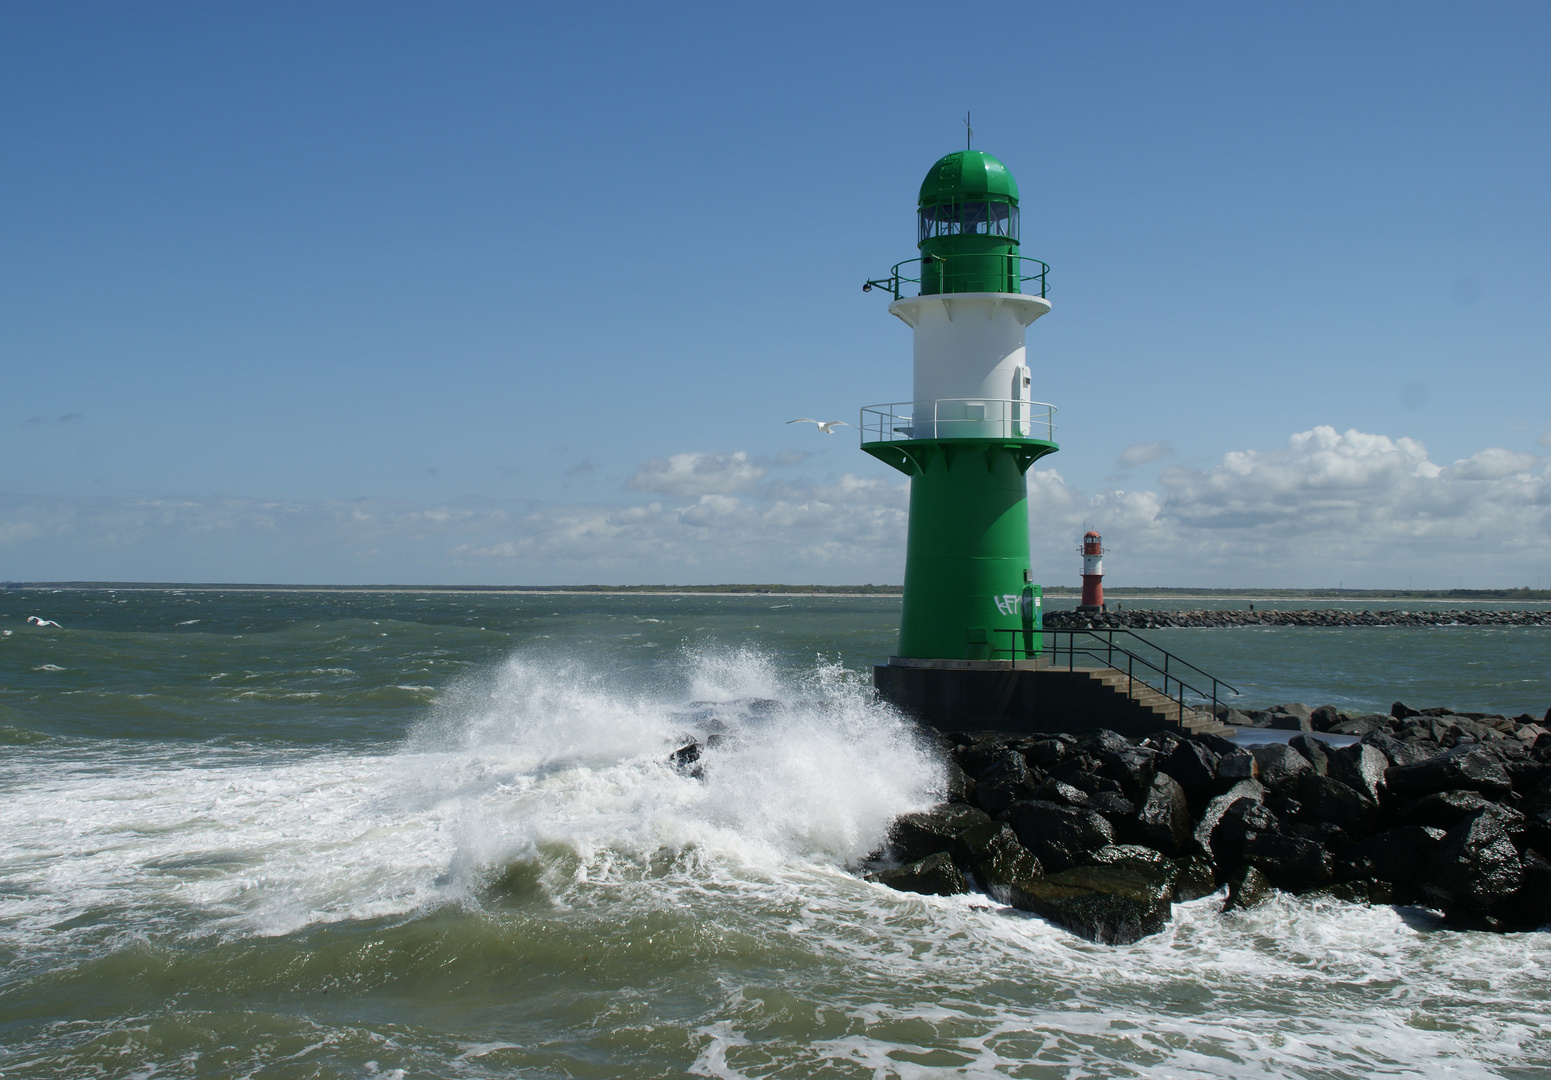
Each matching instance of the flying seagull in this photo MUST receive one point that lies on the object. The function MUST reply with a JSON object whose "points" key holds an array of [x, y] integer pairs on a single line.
{"points": [[37, 621], [826, 426]]}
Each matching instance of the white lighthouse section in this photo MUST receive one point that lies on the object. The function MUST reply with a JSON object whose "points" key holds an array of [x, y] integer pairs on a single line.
{"points": [[971, 371], [1092, 564]]}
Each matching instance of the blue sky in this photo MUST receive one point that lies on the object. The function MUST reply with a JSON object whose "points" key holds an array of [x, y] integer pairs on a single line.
{"points": [[498, 294]]}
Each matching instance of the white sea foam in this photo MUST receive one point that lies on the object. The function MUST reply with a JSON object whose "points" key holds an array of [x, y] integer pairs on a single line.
{"points": [[547, 762]]}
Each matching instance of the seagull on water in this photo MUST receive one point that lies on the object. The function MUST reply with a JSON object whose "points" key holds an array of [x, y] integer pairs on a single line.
{"points": [[826, 426], [36, 621]]}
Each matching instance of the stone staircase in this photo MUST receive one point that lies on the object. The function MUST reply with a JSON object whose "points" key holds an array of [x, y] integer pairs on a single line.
{"points": [[1166, 709]]}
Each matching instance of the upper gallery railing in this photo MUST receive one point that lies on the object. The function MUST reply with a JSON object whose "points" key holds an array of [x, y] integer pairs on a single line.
{"points": [[937, 273], [959, 418]]}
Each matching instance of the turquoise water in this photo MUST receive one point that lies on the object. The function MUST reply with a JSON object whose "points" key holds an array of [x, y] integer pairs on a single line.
{"points": [[354, 834]]}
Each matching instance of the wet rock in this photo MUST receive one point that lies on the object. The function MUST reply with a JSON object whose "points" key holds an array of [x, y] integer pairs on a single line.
{"points": [[915, 836], [1315, 752], [935, 875], [1279, 767], [1046, 753], [1534, 898], [1097, 744], [1238, 764], [1292, 717], [1164, 818], [1132, 768], [1196, 879], [1326, 799], [1359, 725], [1401, 711], [1469, 767], [1122, 898], [1244, 789], [1116, 809], [1360, 767], [957, 785], [1476, 867], [1059, 836], [1004, 781], [1526, 776], [991, 852], [1442, 809], [1052, 790], [685, 759], [1242, 817], [1396, 855], [1247, 887], [1190, 763], [1324, 718], [1291, 861], [1395, 751]]}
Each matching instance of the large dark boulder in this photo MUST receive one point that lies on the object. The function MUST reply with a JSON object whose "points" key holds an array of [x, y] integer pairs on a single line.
{"points": [[1238, 764], [1315, 751], [1247, 887], [1196, 878], [935, 875], [1442, 809], [1325, 799], [957, 785], [1293, 717], [1395, 751], [1122, 897], [1243, 817], [1292, 862], [1116, 809], [1164, 818], [1059, 836], [1471, 767], [1098, 744], [1534, 898], [1359, 725], [1476, 867], [991, 853], [1046, 752], [1280, 765], [1397, 855], [1360, 767], [1133, 768], [1244, 789], [1004, 781], [926, 832], [1052, 790], [1325, 717], [1193, 765]]}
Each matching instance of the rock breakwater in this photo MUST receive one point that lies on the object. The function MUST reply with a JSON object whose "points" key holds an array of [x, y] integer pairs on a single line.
{"points": [[1150, 619], [1103, 834]]}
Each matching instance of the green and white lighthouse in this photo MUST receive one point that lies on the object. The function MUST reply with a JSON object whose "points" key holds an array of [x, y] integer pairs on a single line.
{"points": [[971, 430]]}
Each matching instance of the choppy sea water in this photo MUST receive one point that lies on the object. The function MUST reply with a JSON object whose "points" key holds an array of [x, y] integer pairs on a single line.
{"points": [[350, 835]]}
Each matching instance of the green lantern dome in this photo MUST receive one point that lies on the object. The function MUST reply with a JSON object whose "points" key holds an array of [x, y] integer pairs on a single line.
{"points": [[967, 226], [966, 173]]}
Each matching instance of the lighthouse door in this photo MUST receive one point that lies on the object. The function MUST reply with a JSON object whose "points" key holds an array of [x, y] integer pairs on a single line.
{"points": [[1021, 381]]}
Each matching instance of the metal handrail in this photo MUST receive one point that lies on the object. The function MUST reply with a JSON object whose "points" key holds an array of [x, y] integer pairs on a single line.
{"points": [[1105, 648], [895, 281], [999, 418]]}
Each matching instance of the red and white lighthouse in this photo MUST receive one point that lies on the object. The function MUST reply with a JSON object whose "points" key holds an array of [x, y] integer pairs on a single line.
{"points": [[1092, 573]]}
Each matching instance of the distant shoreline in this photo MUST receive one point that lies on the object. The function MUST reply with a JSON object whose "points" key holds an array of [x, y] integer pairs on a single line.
{"points": [[1053, 592]]}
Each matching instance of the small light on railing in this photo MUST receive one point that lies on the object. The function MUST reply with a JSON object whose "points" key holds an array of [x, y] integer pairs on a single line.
{"points": [[867, 287]]}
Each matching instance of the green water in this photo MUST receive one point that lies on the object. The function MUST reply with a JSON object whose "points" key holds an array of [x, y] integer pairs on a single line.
{"points": [[354, 834]]}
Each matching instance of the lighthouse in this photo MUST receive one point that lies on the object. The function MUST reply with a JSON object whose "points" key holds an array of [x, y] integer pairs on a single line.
{"points": [[970, 431], [1092, 573]]}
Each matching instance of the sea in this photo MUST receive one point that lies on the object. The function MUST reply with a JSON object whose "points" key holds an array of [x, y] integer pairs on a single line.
{"points": [[335, 833]]}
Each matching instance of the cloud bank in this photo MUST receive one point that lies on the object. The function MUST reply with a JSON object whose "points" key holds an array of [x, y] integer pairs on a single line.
{"points": [[1356, 508]]}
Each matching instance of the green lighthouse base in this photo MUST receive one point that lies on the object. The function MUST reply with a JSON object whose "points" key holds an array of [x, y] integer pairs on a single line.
{"points": [[969, 592]]}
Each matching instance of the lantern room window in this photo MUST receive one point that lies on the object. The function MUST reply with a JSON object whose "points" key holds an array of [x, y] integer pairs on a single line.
{"points": [[980, 218]]}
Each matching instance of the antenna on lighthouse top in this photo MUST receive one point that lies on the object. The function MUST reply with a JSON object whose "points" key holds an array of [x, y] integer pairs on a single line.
{"points": [[969, 132]]}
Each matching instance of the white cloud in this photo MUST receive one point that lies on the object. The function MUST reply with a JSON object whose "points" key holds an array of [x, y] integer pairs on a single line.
{"points": [[1144, 453], [1361, 508], [1545, 440], [1494, 463], [686, 476]]}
